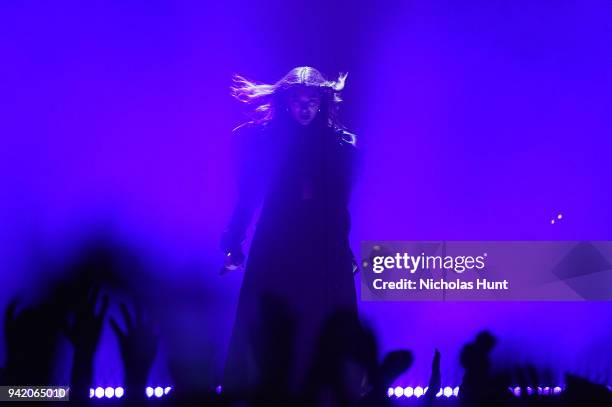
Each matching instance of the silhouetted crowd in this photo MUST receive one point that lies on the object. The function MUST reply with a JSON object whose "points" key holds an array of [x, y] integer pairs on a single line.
{"points": [[346, 369]]}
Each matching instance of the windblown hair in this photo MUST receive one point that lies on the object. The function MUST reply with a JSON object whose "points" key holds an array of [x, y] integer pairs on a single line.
{"points": [[266, 100]]}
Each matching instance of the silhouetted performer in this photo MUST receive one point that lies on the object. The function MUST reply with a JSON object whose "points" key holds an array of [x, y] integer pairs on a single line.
{"points": [[298, 162]]}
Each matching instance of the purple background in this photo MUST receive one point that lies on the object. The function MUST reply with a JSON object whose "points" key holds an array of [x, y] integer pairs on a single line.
{"points": [[476, 121]]}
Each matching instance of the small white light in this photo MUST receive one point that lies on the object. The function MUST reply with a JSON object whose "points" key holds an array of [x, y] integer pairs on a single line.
{"points": [[109, 392], [399, 391], [559, 216], [167, 390], [149, 391], [119, 392], [418, 391], [159, 392], [99, 392], [91, 392], [408, 391], [390, 392], [456, 391], [448, 391]]}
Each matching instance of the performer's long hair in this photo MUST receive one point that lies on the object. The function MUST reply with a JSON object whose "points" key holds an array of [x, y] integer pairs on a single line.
{"points": [[265, 100]]}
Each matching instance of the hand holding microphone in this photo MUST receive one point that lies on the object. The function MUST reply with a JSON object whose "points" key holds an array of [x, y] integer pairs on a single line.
{"points": [[233, 260]]}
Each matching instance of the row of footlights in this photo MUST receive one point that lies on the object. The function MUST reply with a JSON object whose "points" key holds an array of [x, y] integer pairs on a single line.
{"points": [[398, 391], [118, 392]]}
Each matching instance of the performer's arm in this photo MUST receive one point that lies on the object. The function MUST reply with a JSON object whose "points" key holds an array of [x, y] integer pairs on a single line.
{"points": [[353, 168], [249, 192]]}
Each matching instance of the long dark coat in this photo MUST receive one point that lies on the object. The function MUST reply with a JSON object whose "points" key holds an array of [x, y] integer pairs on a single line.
{"points": [[299, 269]]}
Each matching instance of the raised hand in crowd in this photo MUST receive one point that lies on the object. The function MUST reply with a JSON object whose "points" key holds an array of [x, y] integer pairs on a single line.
{"points": [[138, 344]]}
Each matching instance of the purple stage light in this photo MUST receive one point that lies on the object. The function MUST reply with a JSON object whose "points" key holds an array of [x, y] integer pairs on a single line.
{"points": [[449, 391], [118, 392], [419, 391], [542, 391], [219, 389]]}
